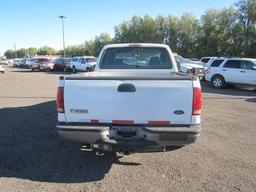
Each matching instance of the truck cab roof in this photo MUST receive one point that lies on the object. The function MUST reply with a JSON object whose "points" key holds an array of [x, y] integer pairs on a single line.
{"points": [[136, 45]]}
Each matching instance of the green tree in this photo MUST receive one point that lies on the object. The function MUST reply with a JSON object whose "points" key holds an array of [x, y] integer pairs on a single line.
{"points": [[21, 53], [46, 51], [9, 54], [32, 51], [215, 34], [100, 41], [171, 35], [90, 47], [247, 18], [161, 29], [138, 30], [186, 32]]}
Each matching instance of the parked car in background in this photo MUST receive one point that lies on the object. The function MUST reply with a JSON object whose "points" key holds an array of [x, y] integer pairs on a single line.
{"points": [[194, 59], [29, 62], [16, 62], [1, 68], [207, 60], [22, 63], [186, 66], [4, 61], [224, 71], [85, 63], [62, 64], [10, 61], [134, 101], [42, 64]]}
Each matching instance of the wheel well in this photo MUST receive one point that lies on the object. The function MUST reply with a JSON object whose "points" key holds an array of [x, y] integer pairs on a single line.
{"points": [[218, 75]]}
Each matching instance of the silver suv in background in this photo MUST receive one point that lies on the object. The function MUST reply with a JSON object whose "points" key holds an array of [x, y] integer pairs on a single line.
{"points": [[240, 71]]}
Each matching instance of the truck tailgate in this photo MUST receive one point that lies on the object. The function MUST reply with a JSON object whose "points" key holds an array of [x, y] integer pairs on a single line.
{"points": [[152, 101]]}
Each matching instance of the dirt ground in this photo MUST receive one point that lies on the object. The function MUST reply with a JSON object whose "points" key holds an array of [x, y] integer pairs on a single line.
{"points": [[34, 158]]}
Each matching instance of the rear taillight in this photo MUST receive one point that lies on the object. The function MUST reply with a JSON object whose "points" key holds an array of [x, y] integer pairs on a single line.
{"points": [[197, 101], [60, 100]]}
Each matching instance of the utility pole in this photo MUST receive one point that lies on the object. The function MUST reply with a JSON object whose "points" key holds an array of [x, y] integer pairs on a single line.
{"points": [[62, 17], [15, 51]]}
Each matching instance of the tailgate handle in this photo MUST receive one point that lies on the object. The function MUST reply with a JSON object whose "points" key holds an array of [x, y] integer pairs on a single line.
{"points": [[126, 87]]}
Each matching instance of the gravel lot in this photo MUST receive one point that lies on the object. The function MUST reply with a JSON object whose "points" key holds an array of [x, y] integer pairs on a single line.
{"points": [[34, 158]]}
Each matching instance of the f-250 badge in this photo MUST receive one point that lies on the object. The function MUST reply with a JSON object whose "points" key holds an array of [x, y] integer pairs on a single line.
{"points": [[80, 111]]}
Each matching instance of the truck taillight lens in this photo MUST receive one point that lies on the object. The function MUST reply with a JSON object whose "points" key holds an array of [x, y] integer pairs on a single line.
{"points": [[197, 101], [60, 100]]}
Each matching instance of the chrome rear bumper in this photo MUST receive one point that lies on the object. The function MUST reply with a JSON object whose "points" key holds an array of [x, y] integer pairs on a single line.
{"points": [[127, 136]]}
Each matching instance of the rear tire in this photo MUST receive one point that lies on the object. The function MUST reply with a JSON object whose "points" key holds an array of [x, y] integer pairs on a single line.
{"points": [[32, 69], [218, 81]]}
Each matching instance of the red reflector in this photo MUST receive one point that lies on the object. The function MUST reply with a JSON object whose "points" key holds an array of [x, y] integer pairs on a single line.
{"points": [[123, 122], [197, 101], [94, 121], [159, 122], [60, 100]]}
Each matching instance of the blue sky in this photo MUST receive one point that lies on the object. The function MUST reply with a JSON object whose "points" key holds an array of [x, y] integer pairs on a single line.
{"points": [[35, 22]]}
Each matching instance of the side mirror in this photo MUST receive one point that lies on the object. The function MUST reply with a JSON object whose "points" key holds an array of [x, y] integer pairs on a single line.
{"points": [[254, 67]]}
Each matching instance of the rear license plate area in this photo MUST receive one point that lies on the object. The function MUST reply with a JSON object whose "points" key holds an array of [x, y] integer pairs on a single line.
{"points": [[122, 132], [126, 134]]}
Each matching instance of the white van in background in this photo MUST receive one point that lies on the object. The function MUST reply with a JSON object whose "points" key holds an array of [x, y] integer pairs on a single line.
{"points": [[84, 63]]}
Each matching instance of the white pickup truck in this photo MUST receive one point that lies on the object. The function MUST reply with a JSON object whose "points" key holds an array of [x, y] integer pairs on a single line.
{"points": [[134, 101], [189, 66]]}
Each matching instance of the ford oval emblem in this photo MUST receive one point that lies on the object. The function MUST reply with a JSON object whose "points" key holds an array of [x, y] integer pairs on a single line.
{"points": [[179, 112]]}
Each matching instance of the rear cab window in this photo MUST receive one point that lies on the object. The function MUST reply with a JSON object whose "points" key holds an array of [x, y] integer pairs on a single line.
{"points": [[136, 58]]}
